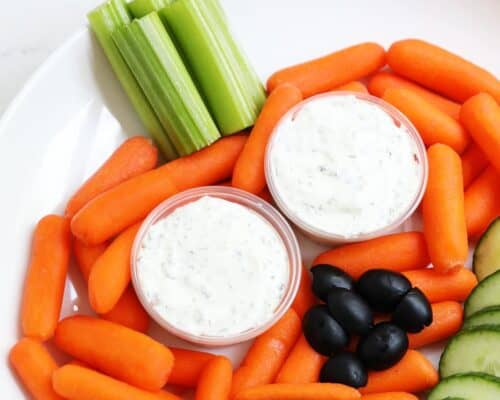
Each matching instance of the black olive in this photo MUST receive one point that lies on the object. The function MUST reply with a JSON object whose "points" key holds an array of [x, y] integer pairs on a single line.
{"points": [[350, 310], [344, 368], [324, 334], [414, 312], [326, 277], [383, 347], [383, 289]]}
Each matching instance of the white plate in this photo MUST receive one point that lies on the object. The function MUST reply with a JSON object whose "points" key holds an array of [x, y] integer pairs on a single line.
{"points": [[72, 113]]}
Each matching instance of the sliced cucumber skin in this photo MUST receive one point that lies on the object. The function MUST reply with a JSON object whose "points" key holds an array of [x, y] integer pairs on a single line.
{"points": [[485, 294], [471, 386], [487, 317], [486, 260], [455, 359]]}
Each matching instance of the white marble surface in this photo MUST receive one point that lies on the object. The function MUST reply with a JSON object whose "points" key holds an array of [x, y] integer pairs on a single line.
{"points": [[29, 32]]}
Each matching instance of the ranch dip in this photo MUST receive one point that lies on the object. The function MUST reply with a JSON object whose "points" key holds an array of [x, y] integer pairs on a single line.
{"points": [[213, 268], [341, 165]]}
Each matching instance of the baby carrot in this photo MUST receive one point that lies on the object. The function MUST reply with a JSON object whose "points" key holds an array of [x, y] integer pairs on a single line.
{"points": [[110, 274], [353, 86], [382, 81], [397, 252], [267, 354], [129, 202], [249, 169], [188, 366], [440, 70], [473, 163], [305, 298], [34, 366], [333, 70], [390, 396], [447, 320], [78, 383], [118, 351], [414, 373], [46, 277], [86, 256], [135, 156], [480, 115], [443, 210], [306, 391], [303, 365], [434, 125], [129, 312], [482, 202], [438, 287], [215, 380]]}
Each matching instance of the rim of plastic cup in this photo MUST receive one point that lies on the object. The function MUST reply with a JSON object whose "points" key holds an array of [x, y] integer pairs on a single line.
{"points": [[253, 203], [329, 237]]}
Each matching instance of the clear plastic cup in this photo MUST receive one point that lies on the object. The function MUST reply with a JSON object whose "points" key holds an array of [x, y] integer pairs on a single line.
{"points": [[323, 236], [254, 203]]}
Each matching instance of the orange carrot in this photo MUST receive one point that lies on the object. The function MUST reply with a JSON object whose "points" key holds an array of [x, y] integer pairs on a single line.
{"points": [[110, 274], [135, 156], [440, 70], [354, 86], [129, 202], [382, 81], [481, 117], [267, 354], [473, 163], [397, 252], [249, 169], [86, 256], [305, 298], [34, 365], [129, 312], [78, 383], [443, 210], [482, 202], [390, 396], [438, 287], [303, 365], [306, 391], [414, 373], [215, 380], [331, 71], [434, 125], [46, 277], [266, 195], [188, 366], [118, 351], [447, 320]]}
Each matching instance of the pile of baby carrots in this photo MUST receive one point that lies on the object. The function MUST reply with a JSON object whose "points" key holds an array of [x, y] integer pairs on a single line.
{"points": [[454, 106]]}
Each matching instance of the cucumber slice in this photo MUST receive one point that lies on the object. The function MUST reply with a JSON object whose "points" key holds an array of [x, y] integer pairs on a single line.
{"points": [[487, 253], [486, 294], [488, 316], [471, 386], [473, 350]]}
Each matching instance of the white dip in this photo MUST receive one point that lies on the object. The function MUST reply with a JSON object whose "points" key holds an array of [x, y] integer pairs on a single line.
{"points": [[214, 268], [341, 165]]}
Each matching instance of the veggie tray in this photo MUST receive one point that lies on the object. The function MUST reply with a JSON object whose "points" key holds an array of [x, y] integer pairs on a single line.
{"points": [[186, 82]]}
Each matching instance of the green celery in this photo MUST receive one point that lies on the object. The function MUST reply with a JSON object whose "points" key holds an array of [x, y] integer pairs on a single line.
{"points": [[229, 85], [151, 55], [141, 8], [104, 20]]}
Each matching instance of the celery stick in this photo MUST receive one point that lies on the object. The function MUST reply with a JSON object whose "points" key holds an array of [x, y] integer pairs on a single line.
{"points": [[141, 8], [227, 82], [151, 55], [103, 21]]}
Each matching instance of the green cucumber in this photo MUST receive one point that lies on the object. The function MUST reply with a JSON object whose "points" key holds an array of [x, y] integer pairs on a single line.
{"points": [[488, 316], [486, 294], [487, 253], [472, 350], [473, 386]]}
